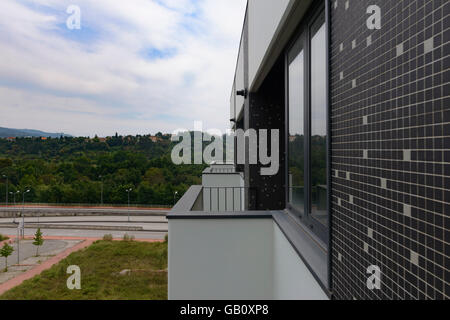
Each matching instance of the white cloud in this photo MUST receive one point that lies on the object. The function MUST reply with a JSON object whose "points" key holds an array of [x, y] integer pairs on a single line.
{"points": [[99, 81]]}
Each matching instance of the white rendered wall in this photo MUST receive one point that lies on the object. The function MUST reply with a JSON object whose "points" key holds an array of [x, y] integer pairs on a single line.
{"points": [[220, 259], [240, 259], [264, 17], [292, 279]]}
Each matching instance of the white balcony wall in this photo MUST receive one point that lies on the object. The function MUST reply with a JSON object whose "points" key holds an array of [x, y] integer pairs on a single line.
{"points": [[220, 259], [236, 259], [264, 18], [300, 284]]}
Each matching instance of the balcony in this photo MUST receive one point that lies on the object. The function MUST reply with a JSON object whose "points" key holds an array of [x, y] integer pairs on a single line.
{"points": [[217, 250]]}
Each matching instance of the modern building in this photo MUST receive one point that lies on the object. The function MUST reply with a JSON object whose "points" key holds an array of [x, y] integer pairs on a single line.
{"points": [[360, 207]]}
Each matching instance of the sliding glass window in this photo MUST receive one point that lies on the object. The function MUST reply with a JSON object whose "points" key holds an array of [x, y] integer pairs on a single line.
{"points": [[318, 155], [308, 126]]}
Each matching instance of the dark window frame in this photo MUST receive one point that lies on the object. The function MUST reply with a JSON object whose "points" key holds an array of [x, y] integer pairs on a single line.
{"points": [[302, 41]]}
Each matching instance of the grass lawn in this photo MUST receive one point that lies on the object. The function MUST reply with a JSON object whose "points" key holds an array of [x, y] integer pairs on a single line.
{"points": [[100, 266]]}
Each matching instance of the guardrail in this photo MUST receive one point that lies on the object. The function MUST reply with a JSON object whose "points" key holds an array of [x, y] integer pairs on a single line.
{"points": [[85, 205]]}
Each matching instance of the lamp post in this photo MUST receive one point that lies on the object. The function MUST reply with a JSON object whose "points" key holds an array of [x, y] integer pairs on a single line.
{"points": [[174, 197], [6, 177], [14, 195], [128, 191], [101, 192], [23, 213], [18, 238], [18, 246]]}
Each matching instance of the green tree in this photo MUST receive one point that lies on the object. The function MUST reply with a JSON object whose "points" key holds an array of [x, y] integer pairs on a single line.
{"points": [[38, 240], [155, 176], [76, 170], [5, 252], [5, 163]]}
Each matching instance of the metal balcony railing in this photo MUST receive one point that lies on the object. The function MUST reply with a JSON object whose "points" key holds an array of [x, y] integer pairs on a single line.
{"points": [[226, 199]]}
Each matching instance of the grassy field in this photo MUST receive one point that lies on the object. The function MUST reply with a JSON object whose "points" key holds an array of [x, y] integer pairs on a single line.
{"points": [[100, 266]]}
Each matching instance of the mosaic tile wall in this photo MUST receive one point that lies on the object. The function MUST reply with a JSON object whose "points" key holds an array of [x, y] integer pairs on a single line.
{"points": [[391, 149]]}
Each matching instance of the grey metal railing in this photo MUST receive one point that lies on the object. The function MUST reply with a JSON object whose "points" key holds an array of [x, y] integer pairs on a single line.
{"points": [[226, 199]]}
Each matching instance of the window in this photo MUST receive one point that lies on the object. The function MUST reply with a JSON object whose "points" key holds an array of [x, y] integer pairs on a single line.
{"points": [[308, 126], [318, 183]]}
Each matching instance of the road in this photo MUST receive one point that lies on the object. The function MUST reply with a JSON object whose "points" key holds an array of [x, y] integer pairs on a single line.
{"points": [[141, 227], [145, 221], [66, 211]]}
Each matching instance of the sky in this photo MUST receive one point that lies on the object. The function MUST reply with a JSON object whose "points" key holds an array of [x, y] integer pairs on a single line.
{"points": [[134, 67]]}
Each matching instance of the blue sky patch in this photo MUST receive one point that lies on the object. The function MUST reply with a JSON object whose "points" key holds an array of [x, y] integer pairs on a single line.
{"points": [[158, 54]]}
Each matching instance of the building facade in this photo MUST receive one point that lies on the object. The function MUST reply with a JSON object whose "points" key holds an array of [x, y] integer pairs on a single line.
{"points": [[359, 91]]}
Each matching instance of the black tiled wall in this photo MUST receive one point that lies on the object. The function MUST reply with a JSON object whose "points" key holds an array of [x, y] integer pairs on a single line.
{"points": [[267, 110], [390, 110]]}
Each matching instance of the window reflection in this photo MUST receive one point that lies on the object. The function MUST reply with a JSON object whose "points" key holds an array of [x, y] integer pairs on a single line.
{"points": [[296, 134], [319, 124]]}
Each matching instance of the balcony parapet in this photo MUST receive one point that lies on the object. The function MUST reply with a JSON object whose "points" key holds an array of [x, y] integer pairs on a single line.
{"points": [[290, 239]]}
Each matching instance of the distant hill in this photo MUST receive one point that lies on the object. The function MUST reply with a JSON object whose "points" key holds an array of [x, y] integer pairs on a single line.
{"points": [[20, 133]]}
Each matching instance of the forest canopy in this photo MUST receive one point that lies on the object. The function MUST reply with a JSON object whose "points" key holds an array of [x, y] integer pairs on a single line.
{"points": [[71, 170]]}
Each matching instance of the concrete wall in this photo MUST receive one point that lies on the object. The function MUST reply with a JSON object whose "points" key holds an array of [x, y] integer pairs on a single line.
{"points": [[240, 259]]}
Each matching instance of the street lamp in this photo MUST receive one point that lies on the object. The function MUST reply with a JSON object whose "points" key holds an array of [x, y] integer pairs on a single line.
{"points": [[174, 197], [6, 177], [14, 195], [128, 191], [23, 212]]}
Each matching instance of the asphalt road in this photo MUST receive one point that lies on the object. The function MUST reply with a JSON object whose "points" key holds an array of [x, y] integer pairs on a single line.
{"points": [[95, 220], [87, 211], [153, 227]]}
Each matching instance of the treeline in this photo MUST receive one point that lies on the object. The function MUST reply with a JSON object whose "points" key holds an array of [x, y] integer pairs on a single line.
{"points": [[75, 170]]}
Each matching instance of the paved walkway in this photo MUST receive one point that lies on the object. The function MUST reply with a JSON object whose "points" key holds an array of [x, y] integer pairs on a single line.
{"points": [[44, 266], [52, 261]]}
